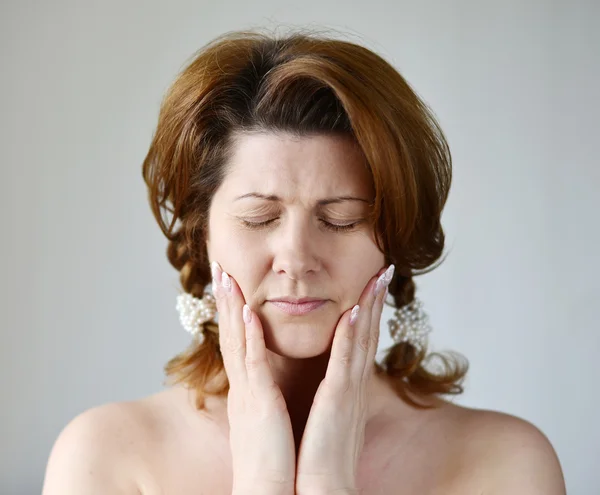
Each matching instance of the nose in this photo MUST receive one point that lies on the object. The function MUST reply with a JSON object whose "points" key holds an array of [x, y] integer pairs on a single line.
{"points": [[295, 248]]}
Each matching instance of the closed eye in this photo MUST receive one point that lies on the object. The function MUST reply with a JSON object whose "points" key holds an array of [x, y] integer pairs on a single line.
{"points": [[330, 226]]}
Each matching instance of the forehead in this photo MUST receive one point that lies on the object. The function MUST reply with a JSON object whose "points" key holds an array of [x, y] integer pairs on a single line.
{"points": [[297, 168]]}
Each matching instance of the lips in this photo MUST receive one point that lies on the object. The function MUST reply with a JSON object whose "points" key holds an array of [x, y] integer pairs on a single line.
{"points": [[297, 309], [296, 301]]}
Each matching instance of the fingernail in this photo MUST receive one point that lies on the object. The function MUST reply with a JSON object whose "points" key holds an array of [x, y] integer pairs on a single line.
{"points": [[354, 314], [247, 314], [226, 281], [389, 273], [384, 279], [215, 269]]}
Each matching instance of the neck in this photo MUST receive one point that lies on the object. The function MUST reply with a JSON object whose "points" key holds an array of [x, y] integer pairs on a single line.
{"points": [[299, 380]]}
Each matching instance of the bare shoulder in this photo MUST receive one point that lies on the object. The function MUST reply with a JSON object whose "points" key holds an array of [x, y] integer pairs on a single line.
{"points": [[506, 454], [95, 452]]}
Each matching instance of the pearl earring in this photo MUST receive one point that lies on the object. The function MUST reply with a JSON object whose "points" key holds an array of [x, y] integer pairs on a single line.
{"points": [[410, 324], [194, 312]]}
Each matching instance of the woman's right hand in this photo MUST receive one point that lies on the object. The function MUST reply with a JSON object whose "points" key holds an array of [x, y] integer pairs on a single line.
{"points": [[261, 437]]}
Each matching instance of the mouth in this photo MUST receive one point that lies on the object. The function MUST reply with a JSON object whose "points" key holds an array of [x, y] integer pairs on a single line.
{"points": [[299, 308]]}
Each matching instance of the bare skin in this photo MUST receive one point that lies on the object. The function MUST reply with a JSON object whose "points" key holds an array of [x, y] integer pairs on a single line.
{"points": [[405, 451], [162, 445]]}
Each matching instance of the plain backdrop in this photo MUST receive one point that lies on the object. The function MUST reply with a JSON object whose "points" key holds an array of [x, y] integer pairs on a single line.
{"points": [[88, 296]]}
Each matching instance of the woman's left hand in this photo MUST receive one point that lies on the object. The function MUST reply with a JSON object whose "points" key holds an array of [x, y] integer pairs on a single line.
{"points": [[334, 434]]}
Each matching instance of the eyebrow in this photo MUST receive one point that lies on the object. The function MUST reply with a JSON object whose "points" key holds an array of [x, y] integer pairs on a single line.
{"points": [[321, 202]]}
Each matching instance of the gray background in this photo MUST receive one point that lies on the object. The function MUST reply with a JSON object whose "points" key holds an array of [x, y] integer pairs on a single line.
{"points": [[87, 295]]}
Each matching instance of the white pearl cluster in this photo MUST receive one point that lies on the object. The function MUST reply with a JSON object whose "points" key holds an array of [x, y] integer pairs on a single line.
{"points": [[194, 312], [411, 324]]}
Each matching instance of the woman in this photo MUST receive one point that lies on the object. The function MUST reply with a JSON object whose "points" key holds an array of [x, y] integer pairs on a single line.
{"points": [[308, 180]]}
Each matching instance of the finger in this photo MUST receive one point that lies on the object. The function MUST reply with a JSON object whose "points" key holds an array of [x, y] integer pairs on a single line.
{"points": [[342, 361], [375, 333], [220, 295], [260, 378], [232, 339], [340, 358], [365, 338]]}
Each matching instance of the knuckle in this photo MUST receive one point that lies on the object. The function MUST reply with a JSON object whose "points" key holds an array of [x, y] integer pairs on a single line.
{"points": [[364, 342], [253, 363], [346, 358], [233, 346], [348, 337]]}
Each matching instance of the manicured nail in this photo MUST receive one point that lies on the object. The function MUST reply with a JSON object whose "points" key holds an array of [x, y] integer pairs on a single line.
{"points": [[215, 269], [384, 279], [247, 314], [389, 273], [226, 281], [354, 314]]}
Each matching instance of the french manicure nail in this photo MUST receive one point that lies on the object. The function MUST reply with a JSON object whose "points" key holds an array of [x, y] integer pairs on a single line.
{"points": [[354, 314], [247, 314], [384, 279], [226, 281], [214, 269], [389, 273]]}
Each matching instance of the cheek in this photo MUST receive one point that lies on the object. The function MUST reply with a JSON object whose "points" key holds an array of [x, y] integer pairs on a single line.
{"points": [[229, 245], [356, 269], [350, 284], [240, 257]]}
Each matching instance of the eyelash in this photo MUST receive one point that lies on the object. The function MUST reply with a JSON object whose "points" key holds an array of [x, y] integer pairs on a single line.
{"points": [[330, 226]]}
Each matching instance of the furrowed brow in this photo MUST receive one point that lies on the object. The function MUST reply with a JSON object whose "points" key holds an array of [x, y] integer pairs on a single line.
{"points": [[321, 202]]}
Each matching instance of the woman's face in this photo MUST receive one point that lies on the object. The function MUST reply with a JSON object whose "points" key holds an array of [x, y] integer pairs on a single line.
{"points": [[298, 253]]}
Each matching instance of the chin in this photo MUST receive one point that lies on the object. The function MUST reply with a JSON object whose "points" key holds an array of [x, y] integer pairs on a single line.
{"points": [[301, 340], [294, 352]]}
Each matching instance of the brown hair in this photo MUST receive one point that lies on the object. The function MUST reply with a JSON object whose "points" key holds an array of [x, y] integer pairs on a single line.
{"points": [[302, 84]]}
